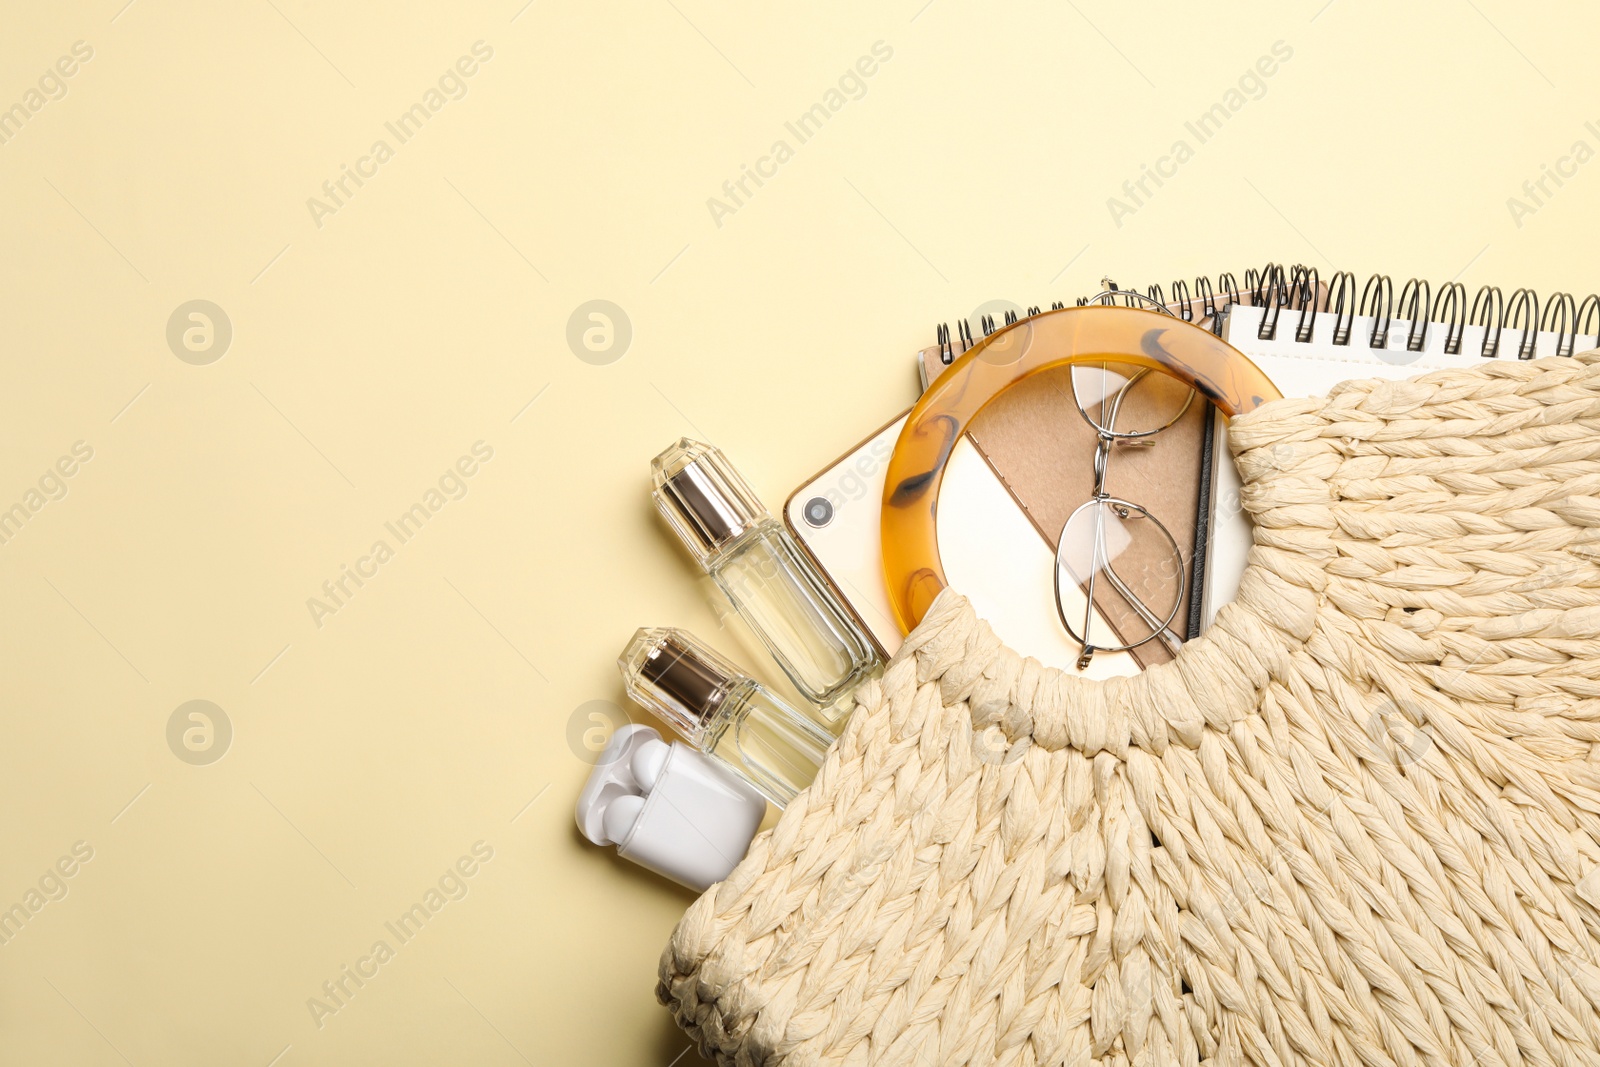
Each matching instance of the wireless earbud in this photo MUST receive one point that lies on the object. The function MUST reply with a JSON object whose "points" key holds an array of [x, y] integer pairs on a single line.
{"points": [[621, 816], [648, 760]]}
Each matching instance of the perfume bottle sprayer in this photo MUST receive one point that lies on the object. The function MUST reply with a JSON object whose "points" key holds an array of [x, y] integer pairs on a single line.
{"points": [[766, 576], [723, 712]]}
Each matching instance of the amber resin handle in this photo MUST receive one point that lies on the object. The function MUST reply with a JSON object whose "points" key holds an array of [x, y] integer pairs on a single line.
{"points": [[1091, 334]]}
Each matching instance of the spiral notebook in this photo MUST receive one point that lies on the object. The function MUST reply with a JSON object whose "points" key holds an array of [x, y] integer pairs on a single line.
{"points": [[1308, 344]]}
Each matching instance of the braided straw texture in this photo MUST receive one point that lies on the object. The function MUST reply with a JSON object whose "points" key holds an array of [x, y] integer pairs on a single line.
{"points": [[1356, 822]]}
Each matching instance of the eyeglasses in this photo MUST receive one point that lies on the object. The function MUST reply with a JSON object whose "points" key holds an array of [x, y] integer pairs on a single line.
{"points": [[1125, 561]]}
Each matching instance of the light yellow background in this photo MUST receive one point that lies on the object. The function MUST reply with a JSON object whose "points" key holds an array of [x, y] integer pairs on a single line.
{"points": [[436, 707]]}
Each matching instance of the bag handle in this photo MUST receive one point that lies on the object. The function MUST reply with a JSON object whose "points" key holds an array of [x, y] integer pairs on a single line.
{"points": [[1066, 336]]}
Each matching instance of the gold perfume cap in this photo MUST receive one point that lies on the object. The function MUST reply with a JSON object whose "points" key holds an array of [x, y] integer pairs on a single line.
{"points": [[702, 497], [678, 679]]}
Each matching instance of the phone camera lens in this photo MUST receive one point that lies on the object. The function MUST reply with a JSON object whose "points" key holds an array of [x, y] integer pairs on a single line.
{"points": [[818, 512]]}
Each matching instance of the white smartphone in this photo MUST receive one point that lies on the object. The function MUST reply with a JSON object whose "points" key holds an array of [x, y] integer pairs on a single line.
{"points": [[990, 550]]}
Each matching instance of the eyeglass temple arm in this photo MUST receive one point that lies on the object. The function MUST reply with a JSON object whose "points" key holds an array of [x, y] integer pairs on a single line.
{"points": [[1162, 630]]}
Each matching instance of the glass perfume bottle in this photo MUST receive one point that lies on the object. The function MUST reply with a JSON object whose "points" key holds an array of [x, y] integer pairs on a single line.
{"points": [[768, 579], [723, 712]]}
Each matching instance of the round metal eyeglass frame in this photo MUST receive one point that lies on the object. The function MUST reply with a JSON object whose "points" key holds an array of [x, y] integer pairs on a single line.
{"points": [[1108, 437]]}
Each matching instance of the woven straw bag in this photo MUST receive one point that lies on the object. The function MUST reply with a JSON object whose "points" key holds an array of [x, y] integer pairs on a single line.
{"points": [[1356, 822]]}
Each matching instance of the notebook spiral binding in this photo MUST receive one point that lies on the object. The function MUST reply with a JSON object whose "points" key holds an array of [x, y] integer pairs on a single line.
{"points": [[1300, 289]]}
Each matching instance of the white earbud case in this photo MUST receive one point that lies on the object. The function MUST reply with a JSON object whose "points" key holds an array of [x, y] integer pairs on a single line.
{"points": [[669, 808]]}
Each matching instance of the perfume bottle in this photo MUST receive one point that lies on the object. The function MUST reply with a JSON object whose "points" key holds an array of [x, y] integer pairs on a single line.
{"points": [[721, 711], [768, 579]]}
